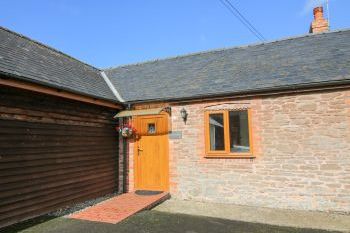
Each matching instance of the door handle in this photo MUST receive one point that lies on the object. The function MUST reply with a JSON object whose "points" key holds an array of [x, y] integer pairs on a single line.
{"points": [[139, 150]]}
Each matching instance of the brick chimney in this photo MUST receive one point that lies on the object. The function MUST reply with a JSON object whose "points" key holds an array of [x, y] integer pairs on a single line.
{"points": [[320, 24]]}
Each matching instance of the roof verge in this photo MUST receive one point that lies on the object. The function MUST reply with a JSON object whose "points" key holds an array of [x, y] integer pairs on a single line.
{"points": [[111, 86]]}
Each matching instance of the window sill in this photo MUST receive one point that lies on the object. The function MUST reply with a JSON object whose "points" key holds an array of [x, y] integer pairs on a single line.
{"points": [[229, 156]]}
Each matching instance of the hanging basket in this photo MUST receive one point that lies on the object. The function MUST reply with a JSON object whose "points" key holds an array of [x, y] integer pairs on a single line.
{"points": [[126, 131]]}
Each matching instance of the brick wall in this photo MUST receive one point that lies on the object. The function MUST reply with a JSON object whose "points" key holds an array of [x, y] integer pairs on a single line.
{"points": [[302, 148], [126, 170]]}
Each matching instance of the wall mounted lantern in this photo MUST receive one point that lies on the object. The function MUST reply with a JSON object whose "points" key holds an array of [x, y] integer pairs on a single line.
{"points": [[184, 114]]}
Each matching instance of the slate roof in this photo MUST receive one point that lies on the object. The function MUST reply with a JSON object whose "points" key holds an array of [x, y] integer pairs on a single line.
{"points": [[316, 59], [32, 61]]}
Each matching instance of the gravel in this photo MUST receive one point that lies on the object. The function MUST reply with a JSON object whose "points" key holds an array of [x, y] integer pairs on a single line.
{"points": [[80, 206], [55, 215]]}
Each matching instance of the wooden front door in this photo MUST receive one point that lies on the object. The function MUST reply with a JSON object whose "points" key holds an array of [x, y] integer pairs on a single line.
{"points": [[151, 153]]}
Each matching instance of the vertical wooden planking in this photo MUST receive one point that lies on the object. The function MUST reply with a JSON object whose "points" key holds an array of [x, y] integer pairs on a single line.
{"points": [[151, 153]]}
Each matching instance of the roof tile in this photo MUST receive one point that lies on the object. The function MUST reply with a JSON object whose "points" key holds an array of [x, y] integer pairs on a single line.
{"points": [[318, 58], [32, 61]]}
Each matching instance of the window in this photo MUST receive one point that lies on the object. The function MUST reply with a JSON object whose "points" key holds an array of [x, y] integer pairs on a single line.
{"points": [[239, 131], [151, 128], [216, 128], [228, 133]]}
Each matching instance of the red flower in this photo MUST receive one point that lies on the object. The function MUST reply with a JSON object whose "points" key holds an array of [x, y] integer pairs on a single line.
{"points": [[128, 126]]}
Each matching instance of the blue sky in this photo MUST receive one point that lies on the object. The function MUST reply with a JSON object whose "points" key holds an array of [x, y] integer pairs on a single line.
{"points": [[108, 33]]}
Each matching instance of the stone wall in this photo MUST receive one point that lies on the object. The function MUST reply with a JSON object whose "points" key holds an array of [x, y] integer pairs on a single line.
{"points": [[302, 148]]}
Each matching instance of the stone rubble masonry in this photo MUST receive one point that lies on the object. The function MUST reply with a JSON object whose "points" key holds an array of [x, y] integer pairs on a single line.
{"points": [[302, 148]]}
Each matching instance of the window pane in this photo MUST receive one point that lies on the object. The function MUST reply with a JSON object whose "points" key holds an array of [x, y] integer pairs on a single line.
{"points": [[239, 131], [216, 131], [151, 128]]}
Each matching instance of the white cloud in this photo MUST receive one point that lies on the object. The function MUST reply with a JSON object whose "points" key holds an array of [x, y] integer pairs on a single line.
{"points": [[311, 4]]}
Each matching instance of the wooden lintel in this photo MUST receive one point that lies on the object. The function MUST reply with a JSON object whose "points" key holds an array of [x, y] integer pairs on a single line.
{"points": [[57, 92]]}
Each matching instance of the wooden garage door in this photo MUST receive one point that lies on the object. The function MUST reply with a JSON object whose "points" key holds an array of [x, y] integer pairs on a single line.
{"points": [[53, 152]]}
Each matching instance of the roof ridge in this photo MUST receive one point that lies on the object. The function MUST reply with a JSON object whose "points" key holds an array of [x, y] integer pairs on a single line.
{"points": [[225, 48], [47, 47]]}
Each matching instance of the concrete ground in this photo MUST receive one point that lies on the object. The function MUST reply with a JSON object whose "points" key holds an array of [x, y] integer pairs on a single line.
{"points": [[153, 222], [279, 217]]}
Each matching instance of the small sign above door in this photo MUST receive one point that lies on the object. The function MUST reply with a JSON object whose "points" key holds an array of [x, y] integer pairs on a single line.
{"points": [[175, 135]]}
